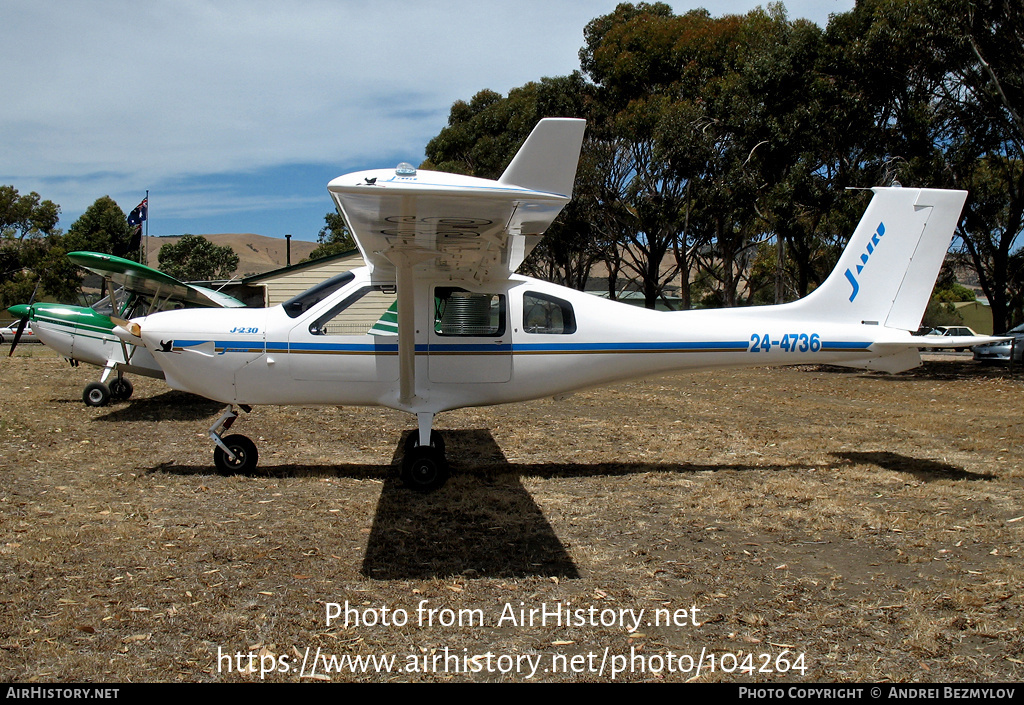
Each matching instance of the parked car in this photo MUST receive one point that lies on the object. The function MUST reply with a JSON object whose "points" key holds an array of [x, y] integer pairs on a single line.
{"points": [[8, 332], [952, 332], [1000, 352]]}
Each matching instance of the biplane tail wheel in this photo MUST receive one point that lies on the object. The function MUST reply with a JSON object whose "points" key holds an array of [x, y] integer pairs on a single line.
{"points": [[121, 389], [245, 453], [96, 394]]}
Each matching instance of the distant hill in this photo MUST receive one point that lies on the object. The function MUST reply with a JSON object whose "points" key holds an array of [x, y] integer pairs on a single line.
{"points": [[256, 253]]}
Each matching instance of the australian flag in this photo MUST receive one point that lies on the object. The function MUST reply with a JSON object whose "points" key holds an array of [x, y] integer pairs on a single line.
{"points": [[135, 219], [139, 214]]}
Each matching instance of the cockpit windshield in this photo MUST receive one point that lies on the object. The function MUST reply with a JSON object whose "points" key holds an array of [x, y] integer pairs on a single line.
{"points": [[297, 305], [132, 305]]}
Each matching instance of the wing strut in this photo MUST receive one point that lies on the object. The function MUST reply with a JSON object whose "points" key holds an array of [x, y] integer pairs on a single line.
{"points": [[404, 261]]}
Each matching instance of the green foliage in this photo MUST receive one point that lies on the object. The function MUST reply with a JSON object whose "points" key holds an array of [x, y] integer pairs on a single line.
{"points": [[484, 134], [334, 238], [941, 314], [103, 227], [31, 254], [194, 258], [25, 216]]}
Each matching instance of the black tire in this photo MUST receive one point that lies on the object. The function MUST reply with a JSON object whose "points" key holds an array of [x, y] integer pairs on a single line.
{"points": [[245, 452], [424, 469], [121, 389], [96, 394]]}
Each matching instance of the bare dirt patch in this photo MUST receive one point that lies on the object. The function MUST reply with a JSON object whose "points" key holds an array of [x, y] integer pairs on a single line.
{"points": [[872, 523]]}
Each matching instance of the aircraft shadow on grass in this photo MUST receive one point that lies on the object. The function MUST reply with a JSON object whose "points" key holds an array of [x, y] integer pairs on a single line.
{"points": [[489, 526], [168, 406], [922, 468]]}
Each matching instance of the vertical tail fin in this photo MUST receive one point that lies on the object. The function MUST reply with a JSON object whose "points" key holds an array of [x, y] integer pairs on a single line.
{"points": [[548, 158], [886, 274]]}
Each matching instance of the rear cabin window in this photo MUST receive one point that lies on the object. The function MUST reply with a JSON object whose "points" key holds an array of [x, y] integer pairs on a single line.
{"points": [[458, 312], [547, 315]]}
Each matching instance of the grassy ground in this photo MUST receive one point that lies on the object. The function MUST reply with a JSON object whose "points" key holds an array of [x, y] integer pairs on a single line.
{"points": [[818, 524]]}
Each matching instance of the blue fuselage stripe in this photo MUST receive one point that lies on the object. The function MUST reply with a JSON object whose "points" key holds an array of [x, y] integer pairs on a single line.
{"points": [[452, 348]]}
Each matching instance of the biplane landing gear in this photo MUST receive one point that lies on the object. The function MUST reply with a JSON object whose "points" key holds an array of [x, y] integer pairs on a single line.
{"points": [[424, 467], [96, 394], [121, 389], [100, 394], [235, 454]]}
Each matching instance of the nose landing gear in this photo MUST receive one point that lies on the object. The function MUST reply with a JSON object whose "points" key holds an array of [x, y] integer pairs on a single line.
{"points": [[235, 454]]}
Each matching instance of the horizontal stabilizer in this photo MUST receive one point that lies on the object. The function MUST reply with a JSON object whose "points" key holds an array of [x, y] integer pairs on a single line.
{"points": [[956, 341]]}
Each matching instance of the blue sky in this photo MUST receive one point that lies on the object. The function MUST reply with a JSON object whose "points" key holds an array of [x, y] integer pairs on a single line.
{"points": [[236, 114]]}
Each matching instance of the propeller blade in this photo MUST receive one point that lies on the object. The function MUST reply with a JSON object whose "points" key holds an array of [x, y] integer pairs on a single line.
{"points": [[17, 334], [24, 311]]}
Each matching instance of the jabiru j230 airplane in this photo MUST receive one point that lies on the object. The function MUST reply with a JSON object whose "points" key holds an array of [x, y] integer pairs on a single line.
{"points": [[86, 334], [437, 319]]}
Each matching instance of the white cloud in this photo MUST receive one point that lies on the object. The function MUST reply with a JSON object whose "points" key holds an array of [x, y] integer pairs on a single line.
{"points": [[108, 95]]}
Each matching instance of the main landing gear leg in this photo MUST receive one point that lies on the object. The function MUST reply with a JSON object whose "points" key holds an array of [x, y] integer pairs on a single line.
{"points": [[235, 454], [424, 466]]}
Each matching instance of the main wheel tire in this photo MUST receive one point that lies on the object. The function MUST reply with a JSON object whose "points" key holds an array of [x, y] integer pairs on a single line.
{"points": [[96, 394], [245, 453], [121, 389], [424, 469]]}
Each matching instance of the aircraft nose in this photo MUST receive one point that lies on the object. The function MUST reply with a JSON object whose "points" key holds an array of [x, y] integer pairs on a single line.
{"points": [[20, 310]]}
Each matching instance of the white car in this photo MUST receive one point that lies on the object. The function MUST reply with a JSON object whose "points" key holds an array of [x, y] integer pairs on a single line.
{"points": [[8, 332], [953, 331]]}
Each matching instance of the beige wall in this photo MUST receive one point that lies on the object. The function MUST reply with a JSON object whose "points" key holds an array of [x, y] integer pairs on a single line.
{"points": [[282, 288]]}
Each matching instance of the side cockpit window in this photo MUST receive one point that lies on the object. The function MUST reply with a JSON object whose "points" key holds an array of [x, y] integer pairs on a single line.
{"points": [[372, 310], [547, 315]]}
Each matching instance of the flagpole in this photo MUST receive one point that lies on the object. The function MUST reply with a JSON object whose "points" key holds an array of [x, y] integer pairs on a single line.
{"points": [[145, 240]]}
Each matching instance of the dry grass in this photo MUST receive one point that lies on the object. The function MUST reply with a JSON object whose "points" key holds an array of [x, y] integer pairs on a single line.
{"points": [[870, 522]]}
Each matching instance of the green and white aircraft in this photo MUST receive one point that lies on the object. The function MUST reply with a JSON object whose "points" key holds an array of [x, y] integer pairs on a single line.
{"points": [[85, 334]]}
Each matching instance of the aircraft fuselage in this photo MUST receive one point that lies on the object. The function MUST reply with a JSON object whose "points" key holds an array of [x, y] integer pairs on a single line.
{"points": [[514, 340]]}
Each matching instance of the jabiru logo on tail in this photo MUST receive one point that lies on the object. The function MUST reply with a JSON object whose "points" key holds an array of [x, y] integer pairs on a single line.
{"points": [[864, 260]]}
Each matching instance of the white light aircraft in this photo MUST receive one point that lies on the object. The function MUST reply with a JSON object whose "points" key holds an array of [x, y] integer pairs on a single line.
{"points": [[86, 334], [437, 319]]}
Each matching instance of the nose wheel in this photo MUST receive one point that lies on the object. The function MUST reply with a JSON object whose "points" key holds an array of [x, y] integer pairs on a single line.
{"points": [[235, 454], [424, 467], [245, 454]]}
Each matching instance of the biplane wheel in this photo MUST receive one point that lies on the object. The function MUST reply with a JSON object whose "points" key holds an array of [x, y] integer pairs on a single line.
{"points": [[436, 441], [121, 389], [424, 469], [245, 456], [96, 394]]}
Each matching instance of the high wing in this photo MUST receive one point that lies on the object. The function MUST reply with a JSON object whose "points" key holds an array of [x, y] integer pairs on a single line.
{"points": [[462, 228], [146, 281]]}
